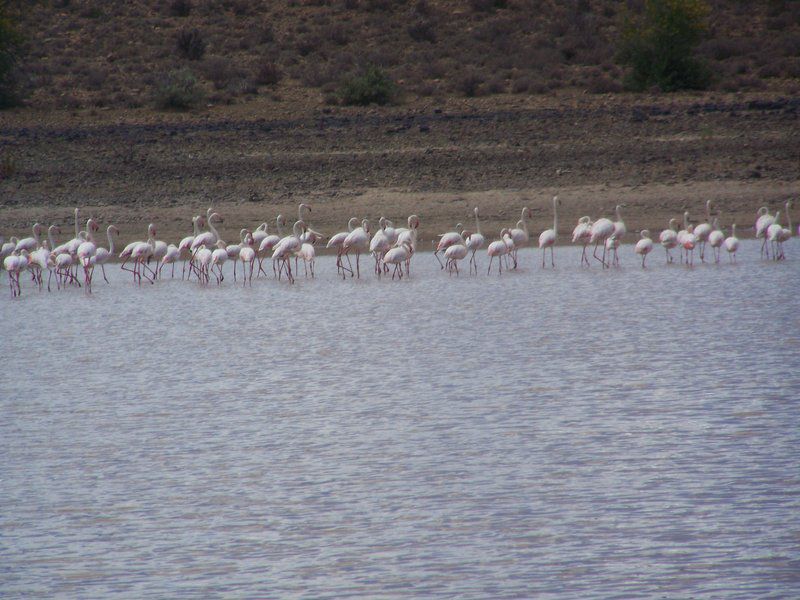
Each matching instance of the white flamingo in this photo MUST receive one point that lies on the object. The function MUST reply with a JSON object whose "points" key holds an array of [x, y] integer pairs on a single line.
{"points": [[519, 234], [448, 239], [581, 235], [601, 230], [379, 245], [547, 239], [619, 225], [185, 245], [170, 258], [397, 256], [357, 241], [475, 242], [498, 248], [248, 257], [452, 255], [102, 255], [644, 246], [30, 243], [669, 238], [716, 239], [267, 245], [732, 244], [763, 221], [702, 231], [218, 258], [337, 241]]}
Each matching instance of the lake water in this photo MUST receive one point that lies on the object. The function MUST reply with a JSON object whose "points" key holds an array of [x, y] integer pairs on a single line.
{"points": [[567, 433]]}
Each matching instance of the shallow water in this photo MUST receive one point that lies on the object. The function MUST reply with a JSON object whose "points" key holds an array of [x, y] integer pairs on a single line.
{"points": [[550, 433]]}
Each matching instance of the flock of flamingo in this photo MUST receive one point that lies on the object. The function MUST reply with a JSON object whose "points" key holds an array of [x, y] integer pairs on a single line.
{"points": [[204, 253]]}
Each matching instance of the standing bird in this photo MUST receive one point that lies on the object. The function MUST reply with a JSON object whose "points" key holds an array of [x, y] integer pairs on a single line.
{"points": [[498, 248], [218, 258], [379, 245], [397, 256], [669, 238], [732, 244], [102, 255], [715, 240], [452, 255], [357, 241], [409, 235], [448, 239], [774, 232], [185, 244], [786, 232], [520, 234], [763, 221], [644, 246], [85, 253], [612, 247], [267, 245], [475, 242], [601, 230], [581, 235], [171, 257], [248, 257], [702, 231], [688, 243], [682, 234], [547, 239], [337, 242], [30, 243]]}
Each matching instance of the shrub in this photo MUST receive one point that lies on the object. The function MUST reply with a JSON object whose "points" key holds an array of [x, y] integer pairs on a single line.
{"points": [[178, 91], [659, 45], [10, 46], [268, 74], [422, 31], [191, 44], [8, 167], [180, 8], [487, 5], [470, 84], [373, 86]]}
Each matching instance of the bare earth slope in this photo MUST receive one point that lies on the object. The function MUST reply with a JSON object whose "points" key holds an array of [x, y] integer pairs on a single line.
{"points": [[658, 156]]}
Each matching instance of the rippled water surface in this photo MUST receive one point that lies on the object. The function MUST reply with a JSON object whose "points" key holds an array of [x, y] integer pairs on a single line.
{"points": [[571, 433]]}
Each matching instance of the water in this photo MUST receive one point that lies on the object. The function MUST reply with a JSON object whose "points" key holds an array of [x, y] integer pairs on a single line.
{"points": [[573, 433]]}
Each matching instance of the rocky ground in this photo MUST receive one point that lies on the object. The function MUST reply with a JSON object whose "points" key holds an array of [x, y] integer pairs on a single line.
{"points": [[657, 156]]}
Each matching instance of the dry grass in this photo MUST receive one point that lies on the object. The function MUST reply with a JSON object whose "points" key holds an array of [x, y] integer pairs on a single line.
{"points": [[95, 53]]}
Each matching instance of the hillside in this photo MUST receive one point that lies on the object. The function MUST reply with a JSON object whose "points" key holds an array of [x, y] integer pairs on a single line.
{"points": [[97, 54]]}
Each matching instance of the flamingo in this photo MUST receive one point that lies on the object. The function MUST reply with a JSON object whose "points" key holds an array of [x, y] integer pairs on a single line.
{"points": [[520, 233], [218, 258], [101, 254], [308, 254], [688, 243], [337, 241], [682, 234], [773, 235], [139, 252], [409, 235], [258, 235], [669, 238], [716, 239], [763, 221], [452, 255], [619, 225], [38, 261], [612, 247], [185, 244], [268, 245], [448, 239], [85, 253], [15, 264], [233, 250], [379, 245], [581, 235], [786, 232], [30, 243], [498, 248], [732, 244], [171, 257], [286, 248], [547, 239], [248, 257], [475, 242], [644, 246], [601, 230], [210, 237], [397, 256], [357, 240], [7, 248], [702, 231], [203, 257]]}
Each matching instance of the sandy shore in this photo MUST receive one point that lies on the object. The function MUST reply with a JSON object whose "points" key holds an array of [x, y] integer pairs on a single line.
{"points": [[656, 158]]}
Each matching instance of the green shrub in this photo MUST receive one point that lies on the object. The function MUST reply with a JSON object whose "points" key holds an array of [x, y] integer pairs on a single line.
{"points": [[178, 91], [8, 166], [10, 46], [191, 44], [658, 46], [371, 87]]}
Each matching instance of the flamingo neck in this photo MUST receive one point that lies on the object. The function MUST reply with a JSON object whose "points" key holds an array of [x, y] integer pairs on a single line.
{"points": [[734, 230], [213, 230], [280, 229], [195, 226], [477, 223], [50, 236], [555, 218], [110, 239], [77, 229]]}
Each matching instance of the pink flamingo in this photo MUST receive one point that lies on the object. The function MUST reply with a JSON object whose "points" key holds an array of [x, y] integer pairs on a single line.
{"points": [[644, 246], [547, 239]]}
